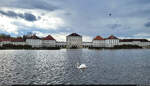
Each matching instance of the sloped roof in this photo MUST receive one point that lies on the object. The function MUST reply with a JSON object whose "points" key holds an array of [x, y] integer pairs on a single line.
{"points": [[112, 37], [49, 37], [98, 38], [17, 40], [33, 37], [12, 39], [74, 34], [5, 39], [131, 40]]}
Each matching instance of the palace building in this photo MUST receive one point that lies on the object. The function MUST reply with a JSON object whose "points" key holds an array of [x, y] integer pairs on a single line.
{"points": [[34, 41], [73, 40], [98, 41], [111, 41], [48, 41]]}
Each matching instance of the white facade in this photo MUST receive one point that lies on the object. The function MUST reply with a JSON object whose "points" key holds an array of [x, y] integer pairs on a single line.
{"points": [[126, 43], [142, 44], [34, 42], [98, 43], [87, 44], [61, 44], [18, 43], [130, 43], [48, 43], [74, 40], [6, 42], [12, 41], [111, 42], [0, 44]]}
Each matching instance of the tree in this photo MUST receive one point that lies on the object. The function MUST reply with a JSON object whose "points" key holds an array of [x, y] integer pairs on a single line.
{"points": [[2, 35]]}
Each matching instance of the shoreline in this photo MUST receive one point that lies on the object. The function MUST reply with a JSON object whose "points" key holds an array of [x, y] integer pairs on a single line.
{"points": [[83, 48]]}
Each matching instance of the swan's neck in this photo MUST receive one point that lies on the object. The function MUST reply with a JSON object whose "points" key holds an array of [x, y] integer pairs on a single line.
{"points": [[78, 65]]}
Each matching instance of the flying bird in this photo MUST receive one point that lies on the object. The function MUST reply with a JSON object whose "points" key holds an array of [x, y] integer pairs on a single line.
{"points": [[110, 14]]}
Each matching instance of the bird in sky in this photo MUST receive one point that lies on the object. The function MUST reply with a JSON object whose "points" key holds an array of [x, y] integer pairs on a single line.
{"points": [[110, 14]]}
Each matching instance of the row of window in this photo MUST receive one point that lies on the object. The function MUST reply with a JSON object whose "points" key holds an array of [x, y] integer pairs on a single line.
{"points": [[74, 39]]}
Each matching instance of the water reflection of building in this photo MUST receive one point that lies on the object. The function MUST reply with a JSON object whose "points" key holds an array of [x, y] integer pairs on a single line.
{"points": [[72, 59]]}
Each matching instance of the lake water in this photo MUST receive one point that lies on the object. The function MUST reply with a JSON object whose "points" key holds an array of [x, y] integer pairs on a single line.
{"points": [[59, 66]]}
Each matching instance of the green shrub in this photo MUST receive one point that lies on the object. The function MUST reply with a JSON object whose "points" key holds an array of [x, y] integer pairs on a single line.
{"points": [[126, 46]]}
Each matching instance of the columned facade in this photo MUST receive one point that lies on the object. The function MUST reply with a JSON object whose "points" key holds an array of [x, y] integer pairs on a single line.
{"points": [[74, 40]]}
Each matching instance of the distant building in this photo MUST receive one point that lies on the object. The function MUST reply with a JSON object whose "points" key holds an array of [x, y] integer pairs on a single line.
{"points": [[48, 41], [111, 41], [87, 44], [98, 41], [5, 41], [139, 42], [61, 44], [74, 40], [18, 41], [1, 43], [34, 41]]}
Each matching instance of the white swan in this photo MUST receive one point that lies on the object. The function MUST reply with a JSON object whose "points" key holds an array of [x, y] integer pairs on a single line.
{"points": [[81, 66]]}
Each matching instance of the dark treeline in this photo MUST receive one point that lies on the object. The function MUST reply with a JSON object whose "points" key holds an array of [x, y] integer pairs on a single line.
{"points": [[11, 46], [127, 47], [2, 35], [118, 47]]}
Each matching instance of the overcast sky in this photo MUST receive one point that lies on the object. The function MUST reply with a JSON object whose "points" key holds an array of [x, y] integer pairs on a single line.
{"points": [[129, 19]]}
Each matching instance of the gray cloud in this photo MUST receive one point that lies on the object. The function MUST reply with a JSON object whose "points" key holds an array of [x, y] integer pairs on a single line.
{"points": [[90, 17], [26, 16], [147, 24], [141, 1], [30, 4], [114, 26], [36, 4]]}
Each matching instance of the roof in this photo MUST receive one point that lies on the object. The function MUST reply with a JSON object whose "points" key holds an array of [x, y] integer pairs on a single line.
{"points": [[131, 40], [33, 37], [12, 39], [98, 38], [49, 37], [74, 34], [5, 39], [112, 37], [17, 40]]}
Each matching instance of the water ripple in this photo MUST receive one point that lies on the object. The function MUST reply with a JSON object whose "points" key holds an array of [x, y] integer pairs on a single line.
{"points": [[59, 67]]}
